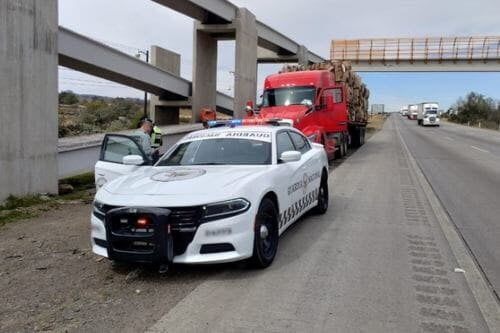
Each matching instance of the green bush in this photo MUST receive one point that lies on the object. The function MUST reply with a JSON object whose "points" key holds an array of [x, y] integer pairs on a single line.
{"points": [[99, 115], [475, 109], [67, 97]]}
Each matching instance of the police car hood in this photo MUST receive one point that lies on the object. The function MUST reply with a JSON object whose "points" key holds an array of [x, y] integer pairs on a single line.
{"points": [[186, 182]]}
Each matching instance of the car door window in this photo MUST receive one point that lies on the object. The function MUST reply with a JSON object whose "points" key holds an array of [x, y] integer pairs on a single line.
{"points": [[300, 142], [283, 143], [115, 147]]}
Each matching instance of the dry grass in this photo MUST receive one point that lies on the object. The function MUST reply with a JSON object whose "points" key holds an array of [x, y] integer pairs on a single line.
{"points": [[375, 124]]}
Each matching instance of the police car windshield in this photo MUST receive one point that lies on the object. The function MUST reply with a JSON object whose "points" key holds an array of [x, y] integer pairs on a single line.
{"points": [[221, 151]]}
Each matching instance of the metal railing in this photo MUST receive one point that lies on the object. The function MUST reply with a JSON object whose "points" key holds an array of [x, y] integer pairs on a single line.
{"points": [[417, 49]]}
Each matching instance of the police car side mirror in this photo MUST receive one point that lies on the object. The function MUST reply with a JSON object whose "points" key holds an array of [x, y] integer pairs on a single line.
{"points": [[290, 156], [133, 160]]}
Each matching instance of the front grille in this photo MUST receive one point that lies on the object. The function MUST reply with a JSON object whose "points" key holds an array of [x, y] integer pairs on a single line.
{"points": [[139, 234], [432, 119], [188, 217], [184, 222]]}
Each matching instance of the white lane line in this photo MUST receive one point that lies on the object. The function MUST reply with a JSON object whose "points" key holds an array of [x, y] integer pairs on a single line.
{"points": [[448, 138], [477, 148]]}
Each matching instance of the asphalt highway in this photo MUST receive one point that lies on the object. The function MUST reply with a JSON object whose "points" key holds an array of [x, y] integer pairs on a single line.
{"points": [[462, 165], [377, 261]]}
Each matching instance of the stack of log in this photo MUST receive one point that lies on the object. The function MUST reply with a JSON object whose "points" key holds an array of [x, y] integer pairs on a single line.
{"points": [[357, 93]]}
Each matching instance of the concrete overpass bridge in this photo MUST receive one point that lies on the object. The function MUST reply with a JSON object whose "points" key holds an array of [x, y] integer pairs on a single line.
{"points": [[450, 54], [32, 45]]}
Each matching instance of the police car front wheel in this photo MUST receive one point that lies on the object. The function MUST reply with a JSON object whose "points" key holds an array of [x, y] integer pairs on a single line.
{"points": [[266, 234], [322, 205]]}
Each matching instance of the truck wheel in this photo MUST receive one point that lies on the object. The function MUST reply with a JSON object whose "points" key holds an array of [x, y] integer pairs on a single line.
{"points": [[266, 237], [361, 137], [345, 148], [322, 205], [340, 152]]}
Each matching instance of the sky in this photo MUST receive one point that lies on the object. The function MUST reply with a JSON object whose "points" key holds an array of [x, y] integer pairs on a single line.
{"points": [[132, 25]]}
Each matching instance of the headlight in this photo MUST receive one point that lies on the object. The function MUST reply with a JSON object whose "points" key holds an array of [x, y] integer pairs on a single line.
{"points": [[220, 210], [98, 209]]}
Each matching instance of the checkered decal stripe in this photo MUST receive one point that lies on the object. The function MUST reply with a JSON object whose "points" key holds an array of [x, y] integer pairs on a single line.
{"points": [[297, 207]]}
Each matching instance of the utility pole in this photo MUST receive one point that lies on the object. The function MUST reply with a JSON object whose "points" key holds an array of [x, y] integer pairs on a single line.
{"points": [[138, 55]]}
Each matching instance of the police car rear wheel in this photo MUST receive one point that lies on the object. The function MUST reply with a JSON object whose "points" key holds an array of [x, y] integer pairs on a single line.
{"points": [[266, 234], [322, 205]]}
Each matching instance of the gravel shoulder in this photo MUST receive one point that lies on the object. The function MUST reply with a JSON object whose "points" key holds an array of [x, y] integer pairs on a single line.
{"points": [[50, 280]]}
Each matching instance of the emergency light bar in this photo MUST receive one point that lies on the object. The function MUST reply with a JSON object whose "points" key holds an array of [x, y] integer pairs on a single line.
{"points": [[249, 122]]}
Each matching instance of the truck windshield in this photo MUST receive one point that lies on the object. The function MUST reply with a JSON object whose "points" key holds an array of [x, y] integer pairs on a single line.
{"points": [[288, 96], [431, 112], [219, 152]]}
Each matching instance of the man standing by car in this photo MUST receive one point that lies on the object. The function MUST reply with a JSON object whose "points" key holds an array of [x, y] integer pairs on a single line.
{"points": [[144, 135]]}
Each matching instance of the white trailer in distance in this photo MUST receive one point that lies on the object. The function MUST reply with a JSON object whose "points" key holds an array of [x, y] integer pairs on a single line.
{"points": [[412, 111]]}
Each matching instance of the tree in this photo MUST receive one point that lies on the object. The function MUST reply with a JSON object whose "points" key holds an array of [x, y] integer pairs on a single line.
{"points": [[67, 97], [474, 108]]}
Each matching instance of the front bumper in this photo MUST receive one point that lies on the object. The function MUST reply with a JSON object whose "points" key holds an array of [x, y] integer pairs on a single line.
{"points": [[430, 122], [225, 240]]}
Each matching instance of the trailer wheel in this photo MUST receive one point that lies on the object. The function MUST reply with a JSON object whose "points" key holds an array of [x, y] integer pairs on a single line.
{"points": [[265, 243]]}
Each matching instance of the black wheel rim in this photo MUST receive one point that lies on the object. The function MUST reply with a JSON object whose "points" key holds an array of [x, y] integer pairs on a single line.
{"points": [[268, 244]]}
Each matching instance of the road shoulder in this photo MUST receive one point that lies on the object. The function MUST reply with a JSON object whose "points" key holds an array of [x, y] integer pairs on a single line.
{"points": [[479, 286]]}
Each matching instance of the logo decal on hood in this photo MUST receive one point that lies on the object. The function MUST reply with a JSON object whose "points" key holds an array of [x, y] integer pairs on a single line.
{"points": [[178, 174]]}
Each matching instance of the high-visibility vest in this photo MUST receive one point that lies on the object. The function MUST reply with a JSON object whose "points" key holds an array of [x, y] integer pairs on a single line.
{"points": [[156, 139]]}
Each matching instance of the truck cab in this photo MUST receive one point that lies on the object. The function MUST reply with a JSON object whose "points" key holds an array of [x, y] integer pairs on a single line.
{"points": [[316, 104]]}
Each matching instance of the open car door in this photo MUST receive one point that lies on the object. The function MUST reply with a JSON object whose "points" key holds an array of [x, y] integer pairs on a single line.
{"points": [[120, 155]]}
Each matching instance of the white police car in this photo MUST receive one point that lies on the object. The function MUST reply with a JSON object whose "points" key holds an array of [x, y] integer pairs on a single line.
{"points": [[219, 195]]}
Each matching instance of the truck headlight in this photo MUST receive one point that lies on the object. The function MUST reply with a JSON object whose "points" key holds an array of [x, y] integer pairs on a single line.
{"points": [[220, 210]]}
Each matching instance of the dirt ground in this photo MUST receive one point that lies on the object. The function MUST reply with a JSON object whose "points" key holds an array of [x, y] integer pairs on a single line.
{"points": [[51, 281]]}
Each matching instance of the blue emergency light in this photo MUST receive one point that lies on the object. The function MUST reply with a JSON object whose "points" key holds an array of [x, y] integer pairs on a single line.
{"points": [[249, 122]]}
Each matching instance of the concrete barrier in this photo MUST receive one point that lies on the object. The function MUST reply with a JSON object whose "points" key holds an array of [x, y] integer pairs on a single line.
{"points": [[77, 155]]}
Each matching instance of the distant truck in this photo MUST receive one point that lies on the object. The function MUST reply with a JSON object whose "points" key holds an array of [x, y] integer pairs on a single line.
{"points": [[413, 111], [428, 114], [327, 102], [404, 111]]}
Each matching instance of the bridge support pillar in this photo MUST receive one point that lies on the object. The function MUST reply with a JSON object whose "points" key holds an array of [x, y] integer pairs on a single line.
{"points": [[162, 112], [28, 95], [245, 72], [302, 56], [244, 31], [204, 71]]}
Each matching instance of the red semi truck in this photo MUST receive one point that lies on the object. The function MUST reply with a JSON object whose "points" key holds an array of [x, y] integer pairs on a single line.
{"points": [[325, 108]]}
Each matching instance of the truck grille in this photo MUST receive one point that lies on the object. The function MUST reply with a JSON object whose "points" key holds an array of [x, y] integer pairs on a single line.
{"points": [[432, 119]]}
